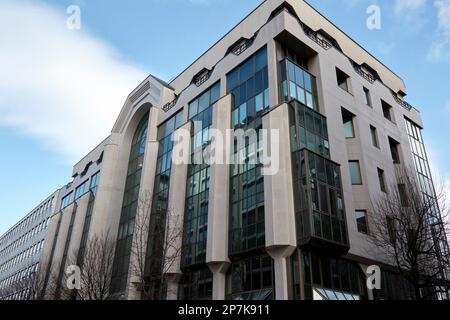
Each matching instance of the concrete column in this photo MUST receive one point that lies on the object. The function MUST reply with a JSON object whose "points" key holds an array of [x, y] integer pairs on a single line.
{"points": [[108, 201], [77, 229], [219, 270], [279, 198], [173, 281], [58, 253], [279, 255], [219, 202], [273, 72], [278, 186]]}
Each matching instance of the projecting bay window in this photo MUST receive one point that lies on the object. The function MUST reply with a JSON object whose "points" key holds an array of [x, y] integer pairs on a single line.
{"points": [[308, 129], [297, 83], [319, 202]]}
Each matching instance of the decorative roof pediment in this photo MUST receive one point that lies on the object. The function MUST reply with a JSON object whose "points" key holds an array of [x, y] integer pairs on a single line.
{"points": [[151, 91]]}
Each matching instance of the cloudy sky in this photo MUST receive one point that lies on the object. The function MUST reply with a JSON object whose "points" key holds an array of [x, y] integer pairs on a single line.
{"points": [[61, 89]]}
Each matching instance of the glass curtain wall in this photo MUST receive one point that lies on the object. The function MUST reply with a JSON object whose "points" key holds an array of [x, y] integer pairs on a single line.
{"points": [[197, 278], [249, 86], [160, 210], [129, 208]]}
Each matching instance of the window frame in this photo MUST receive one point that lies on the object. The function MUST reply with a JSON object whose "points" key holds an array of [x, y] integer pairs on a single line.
{"points": [[339, 76], [362, 227], [360, 183], [387, 107], [374, 136], [382, 180], [367, 97], [345, 113]]}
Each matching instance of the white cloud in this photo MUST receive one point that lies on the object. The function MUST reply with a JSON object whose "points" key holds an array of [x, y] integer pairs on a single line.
{"points": [[403, 5], [443, 8], [440, 48], [62, 87]]}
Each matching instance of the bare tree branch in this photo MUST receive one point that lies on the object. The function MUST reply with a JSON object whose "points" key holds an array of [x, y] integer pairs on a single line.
{"points": [[409, 229]]}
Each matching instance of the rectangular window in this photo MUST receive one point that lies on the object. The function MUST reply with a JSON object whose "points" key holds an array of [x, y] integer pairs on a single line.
{"points": [[355, 172], [94, 183], [81, 190], [367, 98], [342, 80], [387, 110], [347, 119], [403, 195], [204, 101], [381, 180], [374, 135], [390, 224], [361, 221], [67, 200], [394, 145]]}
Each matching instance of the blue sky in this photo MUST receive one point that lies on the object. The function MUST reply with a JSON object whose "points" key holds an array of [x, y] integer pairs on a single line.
{"points": [[61, 89]]}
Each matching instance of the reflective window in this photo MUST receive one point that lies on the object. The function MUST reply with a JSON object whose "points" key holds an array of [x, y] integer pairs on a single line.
{"points": [[160, 198], [367, 98], [197, 195], [67, 200], [308, 130], [374, 136], [94, 183], [249, 85], [328, 278], [251, 279], [355, 172], [197, 285], [250, 88], [347, 119], [81, 190], [361, 221], [297, 83], [129, 206]]}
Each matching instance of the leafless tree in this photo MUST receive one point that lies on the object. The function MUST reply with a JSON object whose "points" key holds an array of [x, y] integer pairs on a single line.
{"points": [[409, 227], [41, 286], [156, 248], [95, 271]]}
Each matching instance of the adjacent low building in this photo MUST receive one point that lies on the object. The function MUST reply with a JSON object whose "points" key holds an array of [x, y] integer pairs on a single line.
{"points": [[248, 232], [21, 250]]}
